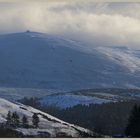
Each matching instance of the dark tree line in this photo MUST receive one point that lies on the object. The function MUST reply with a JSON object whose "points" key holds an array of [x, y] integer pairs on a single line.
{"points": [[13, 120], [33, 101], [35, 120], [133, 127], [108, 119]]}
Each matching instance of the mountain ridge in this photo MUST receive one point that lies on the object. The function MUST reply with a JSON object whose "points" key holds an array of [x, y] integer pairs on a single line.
{"points": [[37, 60]]}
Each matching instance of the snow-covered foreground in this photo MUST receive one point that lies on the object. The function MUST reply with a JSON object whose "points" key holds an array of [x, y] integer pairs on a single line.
{"points": [[64, 101], [48, 124]]}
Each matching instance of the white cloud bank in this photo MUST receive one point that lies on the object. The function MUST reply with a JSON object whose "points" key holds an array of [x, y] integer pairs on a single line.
{"points": [[96, 23]]}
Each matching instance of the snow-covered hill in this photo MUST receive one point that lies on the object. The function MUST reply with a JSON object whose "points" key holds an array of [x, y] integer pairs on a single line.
{"points": [[36, 60], [48, 124]]}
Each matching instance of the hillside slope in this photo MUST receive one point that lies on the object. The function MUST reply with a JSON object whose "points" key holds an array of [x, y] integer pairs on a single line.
{"points": [[35, 60], [48, 124]]}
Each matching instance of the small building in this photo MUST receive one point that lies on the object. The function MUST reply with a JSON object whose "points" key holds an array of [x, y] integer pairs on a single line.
{"points": [[28, 31]]}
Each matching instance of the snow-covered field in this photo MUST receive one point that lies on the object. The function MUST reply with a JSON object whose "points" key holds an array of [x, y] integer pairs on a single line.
{"points": [[86, 97], [48, 123], [64, 101]]}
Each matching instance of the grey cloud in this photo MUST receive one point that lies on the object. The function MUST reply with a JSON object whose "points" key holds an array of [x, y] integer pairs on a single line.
{"points": [[94, 23]]}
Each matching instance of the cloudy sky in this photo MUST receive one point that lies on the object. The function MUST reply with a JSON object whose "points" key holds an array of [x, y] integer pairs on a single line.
{"points": [[95, 23]]}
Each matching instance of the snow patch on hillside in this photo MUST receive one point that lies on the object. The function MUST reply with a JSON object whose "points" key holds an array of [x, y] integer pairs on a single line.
{"points": [[64, 101], [123, 56]]}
